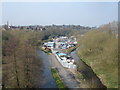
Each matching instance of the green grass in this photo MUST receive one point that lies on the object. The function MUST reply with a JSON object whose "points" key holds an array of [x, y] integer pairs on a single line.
{"points": [[57, 79]]}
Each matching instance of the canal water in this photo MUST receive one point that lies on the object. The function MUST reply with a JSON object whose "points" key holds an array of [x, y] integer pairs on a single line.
{"points": [[48, 81], [87, 72]]}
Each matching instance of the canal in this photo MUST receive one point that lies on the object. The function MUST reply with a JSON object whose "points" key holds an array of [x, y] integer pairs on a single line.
{"points": [[48, 81], [87, 72]]}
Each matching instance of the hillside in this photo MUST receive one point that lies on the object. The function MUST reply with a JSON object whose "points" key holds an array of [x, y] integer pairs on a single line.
{"points": [[99, 49]]}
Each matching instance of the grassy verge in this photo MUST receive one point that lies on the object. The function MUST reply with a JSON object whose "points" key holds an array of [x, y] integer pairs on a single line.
{"points": [[57, 79]]}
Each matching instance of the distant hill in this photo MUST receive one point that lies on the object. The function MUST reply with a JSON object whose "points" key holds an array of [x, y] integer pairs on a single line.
{"points": [[70, 27], [39, 27]]}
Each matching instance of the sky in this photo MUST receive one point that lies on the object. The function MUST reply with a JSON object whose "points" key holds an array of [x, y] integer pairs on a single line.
{"points": [[59, 13]]}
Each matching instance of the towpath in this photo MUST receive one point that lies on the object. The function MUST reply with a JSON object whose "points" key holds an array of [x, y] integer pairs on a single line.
{"points": [[66, 76]]}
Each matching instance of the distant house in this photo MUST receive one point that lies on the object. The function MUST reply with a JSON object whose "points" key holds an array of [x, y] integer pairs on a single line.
{"points": [[50, 44]]}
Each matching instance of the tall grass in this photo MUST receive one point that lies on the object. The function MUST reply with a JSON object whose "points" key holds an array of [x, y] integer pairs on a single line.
{"points": [[100, 51]]}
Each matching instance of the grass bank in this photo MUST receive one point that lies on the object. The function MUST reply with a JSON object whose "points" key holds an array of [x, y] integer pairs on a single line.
{"points": [[58, 80], [100, 51]]}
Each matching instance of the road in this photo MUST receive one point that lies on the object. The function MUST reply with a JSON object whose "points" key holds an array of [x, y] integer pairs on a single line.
{"points": [[66, 76]]}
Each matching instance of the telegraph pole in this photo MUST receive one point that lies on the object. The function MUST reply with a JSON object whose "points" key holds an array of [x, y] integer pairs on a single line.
{"points": [[7, 24]]}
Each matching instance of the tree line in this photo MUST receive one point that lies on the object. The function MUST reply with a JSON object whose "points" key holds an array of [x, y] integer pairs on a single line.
{"points": [[20, 62]]}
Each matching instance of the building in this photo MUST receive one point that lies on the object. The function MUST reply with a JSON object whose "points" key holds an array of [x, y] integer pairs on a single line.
{"points": [[50, 45]]}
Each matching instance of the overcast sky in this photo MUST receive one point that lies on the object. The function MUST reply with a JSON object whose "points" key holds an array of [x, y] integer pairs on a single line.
{"points": [[47, 13]]}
